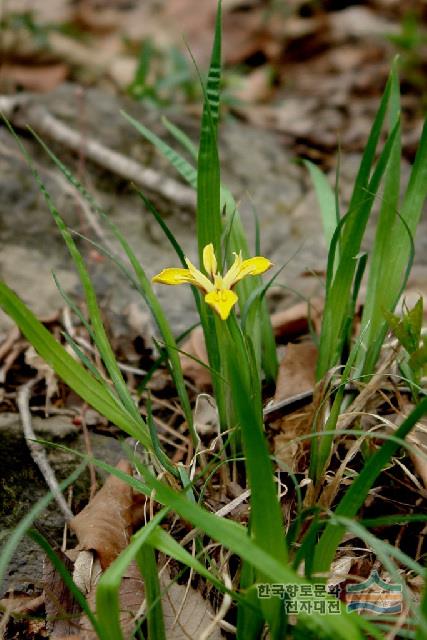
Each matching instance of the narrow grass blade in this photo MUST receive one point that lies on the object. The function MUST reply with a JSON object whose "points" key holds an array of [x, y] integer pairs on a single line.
{"points": [[261, 331], [266, 518], [107, 592], [250, 622], [151, 299], [321, 450], [259, 327], [338, 295], [146, 561], [208, 219], [181, 137], [235, 537], [356, 494], [383, 550], [67, 580], [389, 271], [84, 359], [232, 535], [165, 543], [71, 372], [144, 287], [381, 291], [339, 283], [27, 521], [421, 632], [168, 233], [99, 333], [384, 521], [363, 176], [160, 454], [326, 199], [181, 165]]}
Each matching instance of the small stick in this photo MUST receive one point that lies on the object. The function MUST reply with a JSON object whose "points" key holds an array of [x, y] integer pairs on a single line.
{"points": [[89, 450], [22, 112], [289, 405], [38, 454]]}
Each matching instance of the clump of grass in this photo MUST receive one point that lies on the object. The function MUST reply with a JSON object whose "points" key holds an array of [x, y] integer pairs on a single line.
{"points": [[241, 352]]}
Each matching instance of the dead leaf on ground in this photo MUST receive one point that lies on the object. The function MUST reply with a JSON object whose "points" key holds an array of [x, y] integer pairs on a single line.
{"points": [[43, 13], [296, 375], [255, 86], [195, 346], [62, 610], [288, 324], [23, 604], [35, 361], [418, 439], [296, 371], [295, 321], [186, 613], [39, 79], [105, 524], [206, 420], [131, 597], [103, 529], [98, 16], [359, 22]]}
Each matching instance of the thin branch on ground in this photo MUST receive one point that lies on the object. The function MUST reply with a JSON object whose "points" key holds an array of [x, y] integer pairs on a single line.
{"points": [[23, 111], [38, 453]]}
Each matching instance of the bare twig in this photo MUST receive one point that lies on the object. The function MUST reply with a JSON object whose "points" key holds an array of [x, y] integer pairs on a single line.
{"points": [[22, 111], [37, 452], [89, 451]]}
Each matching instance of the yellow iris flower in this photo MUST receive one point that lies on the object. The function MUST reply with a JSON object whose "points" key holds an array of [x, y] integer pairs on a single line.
{"points": [[217, 288]]}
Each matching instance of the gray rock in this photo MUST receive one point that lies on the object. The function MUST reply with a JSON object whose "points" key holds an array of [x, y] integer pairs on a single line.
{"points": [[258, 169], [21, 486]]}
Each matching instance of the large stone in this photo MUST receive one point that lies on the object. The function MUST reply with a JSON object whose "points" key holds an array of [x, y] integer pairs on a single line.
{"points": [[21, 485], [257, 168]]}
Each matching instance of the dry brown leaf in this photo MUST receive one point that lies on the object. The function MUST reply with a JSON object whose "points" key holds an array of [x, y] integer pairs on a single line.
{"points": [[296, 371], [105, 523], [39, 79], [131, 596], [296, 375], [100, 17], [87, 570], [43, 13], [62, 611], [288, 324], [255, 86], [418, 438], [294, 322], [206, 420], [33, 359], [103, 529], [22, 605], [186, 613], [359, 22], [195, 346]]}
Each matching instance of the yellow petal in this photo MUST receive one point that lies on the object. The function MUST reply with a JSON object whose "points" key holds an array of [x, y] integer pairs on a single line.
{"points": [[199, 278], [209, 260], [231, 275], [252, 267], [174, 276], [222, 301]]}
